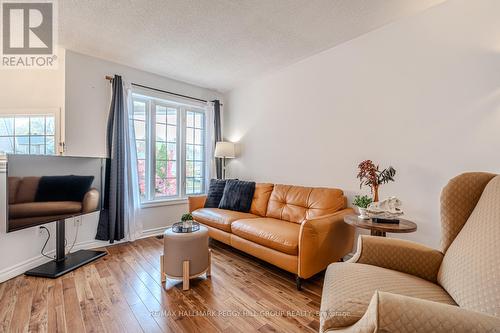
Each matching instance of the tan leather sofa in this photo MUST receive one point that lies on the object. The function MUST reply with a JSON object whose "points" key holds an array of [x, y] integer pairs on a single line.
{"points": [[299, 229], [25, 212], [393, 285]]}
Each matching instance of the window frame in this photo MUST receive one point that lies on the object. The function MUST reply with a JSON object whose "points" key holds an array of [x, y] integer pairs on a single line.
{"points": [[59, 145], [151, 101]]}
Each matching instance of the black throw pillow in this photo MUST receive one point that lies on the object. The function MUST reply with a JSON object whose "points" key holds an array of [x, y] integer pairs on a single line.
{"points": [[63, 188], [215, 192], [238, 195]]}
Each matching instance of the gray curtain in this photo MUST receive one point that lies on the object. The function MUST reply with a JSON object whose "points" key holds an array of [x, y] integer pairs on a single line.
{"points": [[218, 137], [111, 219]]}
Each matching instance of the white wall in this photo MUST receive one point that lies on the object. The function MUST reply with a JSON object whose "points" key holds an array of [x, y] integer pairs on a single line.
{"points": [[33, 88], [79, 88], [421, 94]]}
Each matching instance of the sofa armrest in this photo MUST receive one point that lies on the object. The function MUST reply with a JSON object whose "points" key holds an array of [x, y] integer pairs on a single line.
{"points": [[90, 201], [323, 240], [196, 202], [389, 312], [400, 255]]}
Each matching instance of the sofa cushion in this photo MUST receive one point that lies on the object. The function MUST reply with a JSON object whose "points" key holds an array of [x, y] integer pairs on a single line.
{"points": [[261, 198], [215, 192], [13, 186], [276, 234], [470, 271], [26, 191], [349, 287], [296, 203], [219, 218], [35, 209]]}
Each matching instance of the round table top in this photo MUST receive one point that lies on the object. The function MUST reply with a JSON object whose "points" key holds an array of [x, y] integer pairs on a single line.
{"points": [[202, 232], [402, 227]]}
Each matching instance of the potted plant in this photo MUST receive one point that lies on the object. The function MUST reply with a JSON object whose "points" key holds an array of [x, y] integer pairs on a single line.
{"points": [[371, 176], [362, 202], [187, 220]]}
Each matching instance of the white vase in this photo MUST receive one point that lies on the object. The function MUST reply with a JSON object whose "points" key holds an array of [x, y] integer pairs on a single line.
{"points": [[362, 213]]}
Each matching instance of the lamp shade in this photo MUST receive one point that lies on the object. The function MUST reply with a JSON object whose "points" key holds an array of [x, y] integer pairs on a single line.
{"points": [[224, 149]]}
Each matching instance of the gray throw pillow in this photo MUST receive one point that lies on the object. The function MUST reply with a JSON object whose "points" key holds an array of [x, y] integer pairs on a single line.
{"points": [[238, 195], [215, 192]]}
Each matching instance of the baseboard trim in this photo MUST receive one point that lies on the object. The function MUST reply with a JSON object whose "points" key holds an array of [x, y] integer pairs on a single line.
{"points": [[153, 232]]}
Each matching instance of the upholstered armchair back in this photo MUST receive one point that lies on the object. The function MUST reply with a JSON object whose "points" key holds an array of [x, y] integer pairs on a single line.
{"points": [[470, 271], [458, 199]]}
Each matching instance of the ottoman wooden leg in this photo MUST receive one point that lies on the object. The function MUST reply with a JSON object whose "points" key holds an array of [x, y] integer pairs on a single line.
{"points": [[209, 269], [185, 275], [162, 269]]}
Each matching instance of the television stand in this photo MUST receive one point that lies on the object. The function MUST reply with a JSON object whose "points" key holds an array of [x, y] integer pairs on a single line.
{"points": [[63, 263]]}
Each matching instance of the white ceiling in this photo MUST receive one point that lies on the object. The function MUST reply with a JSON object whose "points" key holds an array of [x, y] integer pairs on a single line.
{"points": [[218, 44]]}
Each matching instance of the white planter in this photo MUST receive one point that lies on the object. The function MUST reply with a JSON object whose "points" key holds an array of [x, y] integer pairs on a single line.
{"points": [[362, 213], [187, 224]]}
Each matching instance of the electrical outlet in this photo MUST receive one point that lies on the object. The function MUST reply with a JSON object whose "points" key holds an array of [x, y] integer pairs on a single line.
{"points": [[78, 221]]}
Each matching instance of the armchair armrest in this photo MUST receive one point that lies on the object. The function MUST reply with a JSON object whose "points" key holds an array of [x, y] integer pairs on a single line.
{"points": [[90, 201], [400, 255], [396, 313], [323, 240], [196, 202]]}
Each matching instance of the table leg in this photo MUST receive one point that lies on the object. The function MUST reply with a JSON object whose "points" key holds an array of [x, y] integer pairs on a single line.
{"points": [[377, 233], [209, 269], [162, 269], [185, 275]]}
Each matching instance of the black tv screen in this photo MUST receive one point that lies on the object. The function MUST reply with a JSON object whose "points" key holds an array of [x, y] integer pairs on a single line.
{"points": [[44, 189]]}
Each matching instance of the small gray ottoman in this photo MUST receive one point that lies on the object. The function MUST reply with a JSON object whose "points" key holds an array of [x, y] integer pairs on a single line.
{"points": [[185, 255]]}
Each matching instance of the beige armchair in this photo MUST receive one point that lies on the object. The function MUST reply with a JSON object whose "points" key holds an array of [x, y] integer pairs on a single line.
{"points": [[393, 285]]}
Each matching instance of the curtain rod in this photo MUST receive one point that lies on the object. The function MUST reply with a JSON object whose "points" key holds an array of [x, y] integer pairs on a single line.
{"points": [[110, 79]]}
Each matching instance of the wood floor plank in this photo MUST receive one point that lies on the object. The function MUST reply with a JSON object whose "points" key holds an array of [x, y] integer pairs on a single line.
{"points": [[7, 303], [25, 288], [109, 316], [122, 292], [38, 316], [72, 312], [120, 307], [56, 321], [135, 280], [88, 305]]}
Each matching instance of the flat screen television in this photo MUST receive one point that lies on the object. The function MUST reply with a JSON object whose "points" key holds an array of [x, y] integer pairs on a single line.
{"points": [[45, 189]]}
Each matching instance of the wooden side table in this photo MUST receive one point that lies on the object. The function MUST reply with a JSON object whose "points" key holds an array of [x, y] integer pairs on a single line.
{"points": [[380, 229]]}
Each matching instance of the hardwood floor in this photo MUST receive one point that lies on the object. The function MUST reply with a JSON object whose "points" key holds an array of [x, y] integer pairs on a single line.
{"points": [[122, 292]]}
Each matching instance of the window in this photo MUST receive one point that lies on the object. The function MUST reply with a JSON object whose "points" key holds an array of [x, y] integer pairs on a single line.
{"points": [[29, 132], [170, 142]]}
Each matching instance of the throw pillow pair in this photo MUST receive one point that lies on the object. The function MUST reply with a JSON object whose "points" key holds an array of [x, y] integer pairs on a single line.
{"points": [[231, 194]]}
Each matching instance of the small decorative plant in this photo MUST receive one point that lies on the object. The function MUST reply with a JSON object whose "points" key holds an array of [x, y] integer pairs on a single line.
{"points": [[370, 175], [186, 217], [362, 201], [187, 220]]}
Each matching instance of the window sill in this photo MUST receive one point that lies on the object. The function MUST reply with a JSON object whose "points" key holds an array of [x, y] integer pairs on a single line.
{"points": [[166, 202]]}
